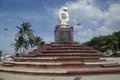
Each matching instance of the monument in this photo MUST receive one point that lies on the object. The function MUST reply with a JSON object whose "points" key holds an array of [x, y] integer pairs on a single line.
{"points": [[63, 17], [62, 57], [63, 33]]}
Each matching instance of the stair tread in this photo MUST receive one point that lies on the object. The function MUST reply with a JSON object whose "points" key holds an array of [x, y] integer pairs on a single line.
{"points": [[69, 70], [110, 65], [67, 48], [68, 53], [44, 63], [103, 63], [89, 51], [64, 57], [63, 63]]}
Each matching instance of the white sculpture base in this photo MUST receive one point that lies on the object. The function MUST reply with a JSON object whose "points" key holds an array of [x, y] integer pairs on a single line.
{"points": [[63, 26]]}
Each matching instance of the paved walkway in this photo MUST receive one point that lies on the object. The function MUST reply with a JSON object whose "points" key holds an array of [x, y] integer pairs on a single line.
{"points": [[9, 76]]}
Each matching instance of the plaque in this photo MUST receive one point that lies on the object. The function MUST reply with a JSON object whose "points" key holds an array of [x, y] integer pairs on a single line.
{"points": [[64, 36]]}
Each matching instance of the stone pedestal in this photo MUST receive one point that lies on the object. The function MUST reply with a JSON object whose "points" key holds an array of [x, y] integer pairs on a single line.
{"points": [[63, 35]]}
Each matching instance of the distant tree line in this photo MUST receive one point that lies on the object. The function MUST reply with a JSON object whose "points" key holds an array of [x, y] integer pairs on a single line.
{"points": [[0, 54], [108, 44], [25, 40]]}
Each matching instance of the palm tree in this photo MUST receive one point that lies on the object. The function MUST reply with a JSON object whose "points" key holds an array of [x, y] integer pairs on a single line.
{"points": [[32, 42], [25, 40], [22, 38], [39, 41], [25, 31], [21, 44], [36, 42]]}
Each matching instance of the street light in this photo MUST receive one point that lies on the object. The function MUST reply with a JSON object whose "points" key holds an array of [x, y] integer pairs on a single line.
{"points": [[5, 29], [78, 24]]}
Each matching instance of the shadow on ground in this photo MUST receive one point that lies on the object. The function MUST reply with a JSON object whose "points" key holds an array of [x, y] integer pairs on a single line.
{"points": [[77, 78]]}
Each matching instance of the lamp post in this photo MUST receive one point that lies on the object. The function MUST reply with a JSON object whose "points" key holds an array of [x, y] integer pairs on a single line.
{"points": [[5, 29], [78, 24]]}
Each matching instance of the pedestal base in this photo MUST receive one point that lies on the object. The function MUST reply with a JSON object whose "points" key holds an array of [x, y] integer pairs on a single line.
{"points": [[63, 35]]}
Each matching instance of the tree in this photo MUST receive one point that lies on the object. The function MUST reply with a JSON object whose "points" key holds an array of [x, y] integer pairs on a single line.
{"points": [[112, 43], [0, 53], [39, 42], [104, 43], [25, 40], [22, 38], [97, 43], [117, 34]]}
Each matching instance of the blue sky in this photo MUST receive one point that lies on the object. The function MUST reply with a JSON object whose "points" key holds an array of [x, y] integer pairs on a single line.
{"points": [[98, 17]]}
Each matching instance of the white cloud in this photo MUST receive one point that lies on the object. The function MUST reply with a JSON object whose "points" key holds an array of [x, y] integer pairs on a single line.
{"points": [[112, 17], [103, 30], [94, 21], [85, 10], [84, 34]]}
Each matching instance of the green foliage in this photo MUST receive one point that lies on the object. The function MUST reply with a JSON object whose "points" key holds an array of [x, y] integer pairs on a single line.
{"points": [[117, 34], [25, 39], [0, 52], [36, 41], [104, 43]]}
